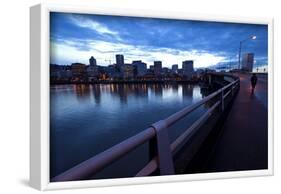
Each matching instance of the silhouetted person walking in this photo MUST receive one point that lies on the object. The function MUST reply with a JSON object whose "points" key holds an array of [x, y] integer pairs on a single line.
{"points": [[254, 80]]}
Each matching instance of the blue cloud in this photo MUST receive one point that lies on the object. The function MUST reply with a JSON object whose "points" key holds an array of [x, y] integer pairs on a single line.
{"points": [[175, 36]]}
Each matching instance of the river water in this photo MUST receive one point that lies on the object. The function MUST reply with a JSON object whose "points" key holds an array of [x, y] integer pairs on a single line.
{"points": [[87, 119]]}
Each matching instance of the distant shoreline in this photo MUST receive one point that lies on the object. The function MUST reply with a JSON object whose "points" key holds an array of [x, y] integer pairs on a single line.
{"points": [[127, 82]]}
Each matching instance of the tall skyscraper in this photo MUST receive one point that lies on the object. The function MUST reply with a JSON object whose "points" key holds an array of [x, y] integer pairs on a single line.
{"points": [[92, 61], [187, 67], [248, 62], [119, 60], [157, 67]]}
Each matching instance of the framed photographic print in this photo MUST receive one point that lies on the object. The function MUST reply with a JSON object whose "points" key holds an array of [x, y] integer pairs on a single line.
{"points": [[132, 97]]}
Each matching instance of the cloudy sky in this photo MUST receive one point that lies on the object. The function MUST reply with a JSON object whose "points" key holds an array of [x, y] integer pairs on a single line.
{"points": [[76, 37]]}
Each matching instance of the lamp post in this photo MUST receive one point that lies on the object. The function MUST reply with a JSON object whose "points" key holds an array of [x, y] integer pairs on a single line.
{"points": [[240, 47]]}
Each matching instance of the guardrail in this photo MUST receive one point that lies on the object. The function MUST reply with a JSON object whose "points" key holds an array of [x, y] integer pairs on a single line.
{"points": [[160, 150]]}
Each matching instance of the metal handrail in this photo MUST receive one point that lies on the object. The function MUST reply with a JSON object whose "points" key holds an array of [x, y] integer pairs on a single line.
{"points": [[152, 165], [93, 165]]}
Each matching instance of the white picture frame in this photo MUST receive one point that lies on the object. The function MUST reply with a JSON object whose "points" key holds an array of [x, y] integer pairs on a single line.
{"points": [[39, 100]]}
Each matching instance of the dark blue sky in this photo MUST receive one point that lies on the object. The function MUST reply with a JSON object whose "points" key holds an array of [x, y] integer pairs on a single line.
{"points": [[76, 37]]}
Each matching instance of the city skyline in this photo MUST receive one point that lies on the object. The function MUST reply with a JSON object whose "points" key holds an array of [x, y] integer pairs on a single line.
{"points": [[75, 37]]}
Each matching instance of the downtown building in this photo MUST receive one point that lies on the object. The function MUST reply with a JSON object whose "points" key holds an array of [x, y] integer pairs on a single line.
{"points": [[92, 61], [187, 68], [78, 69], [79, 72], [248, 62], [157, 68], [119, 61], [128, 71], [175, 68], [141, 67], [120, 66], [92, 69], [60, 73]]}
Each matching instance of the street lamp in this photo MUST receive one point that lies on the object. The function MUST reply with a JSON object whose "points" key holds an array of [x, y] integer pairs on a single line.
{"points": [[253, 37]]}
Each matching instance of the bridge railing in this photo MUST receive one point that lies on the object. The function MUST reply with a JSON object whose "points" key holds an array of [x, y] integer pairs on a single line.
{"points": [[160, 150]]}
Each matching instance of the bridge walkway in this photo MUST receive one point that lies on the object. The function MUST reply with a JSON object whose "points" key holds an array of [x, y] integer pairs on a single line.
{"points": [[242, 144]]}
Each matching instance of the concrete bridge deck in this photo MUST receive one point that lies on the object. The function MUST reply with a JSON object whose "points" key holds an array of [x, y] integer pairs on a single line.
{"points": [[243, 141]]}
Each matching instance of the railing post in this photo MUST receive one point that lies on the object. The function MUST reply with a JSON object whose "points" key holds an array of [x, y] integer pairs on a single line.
{"points": [[222, 100], [160, 146]]}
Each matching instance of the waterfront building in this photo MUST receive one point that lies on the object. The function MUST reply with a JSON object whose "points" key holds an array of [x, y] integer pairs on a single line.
{"points": [[65, 72], [150, 71], [128, 71], [92, 69], [78, 68], [141, 67], [180, 71], [248, 62], [165, 70], [92, 72], [60, 72], [157, 67], [112, 72], [175, 68], [187, 68], [119, 61], [92, 61]]}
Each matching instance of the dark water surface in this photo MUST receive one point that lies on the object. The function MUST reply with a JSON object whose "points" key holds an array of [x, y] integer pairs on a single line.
{"points": [[87, 119]]}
